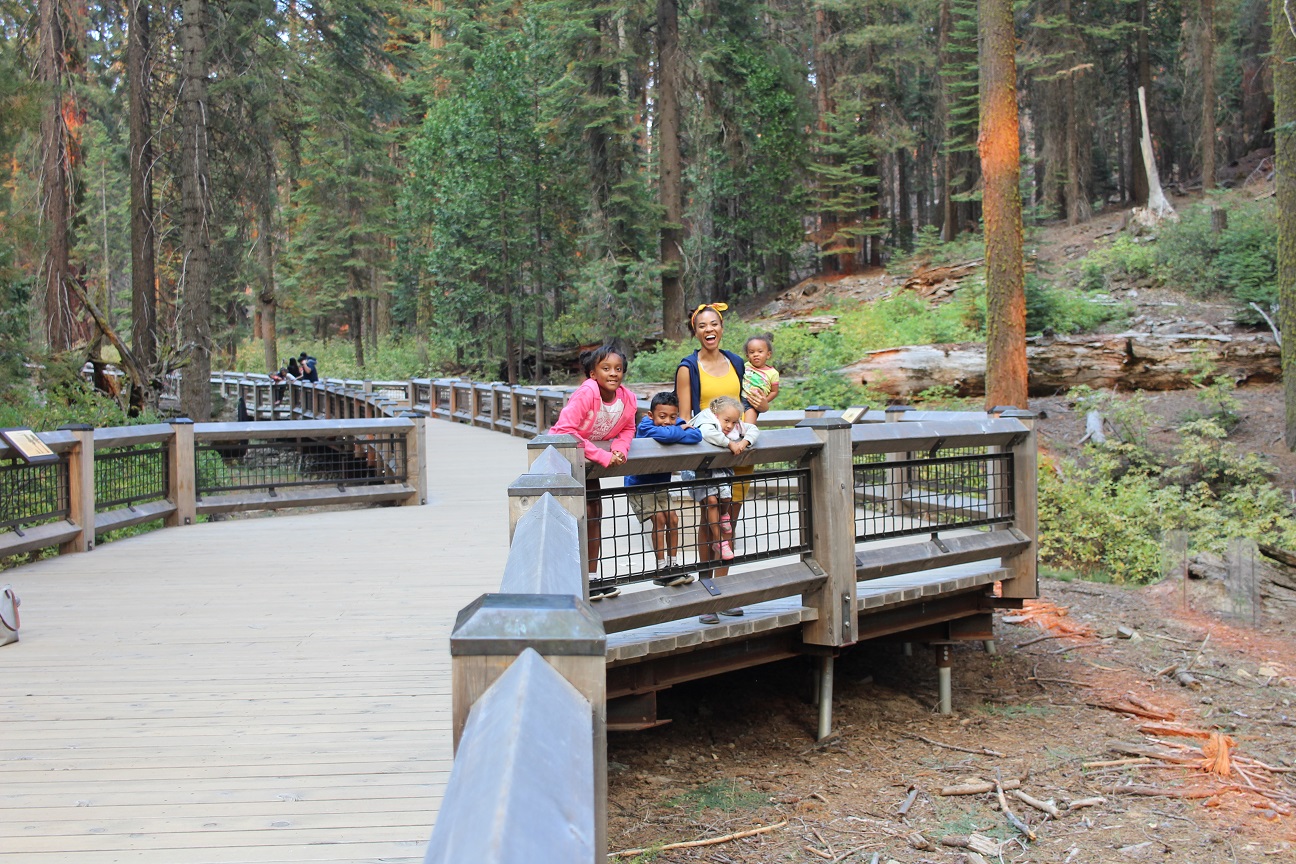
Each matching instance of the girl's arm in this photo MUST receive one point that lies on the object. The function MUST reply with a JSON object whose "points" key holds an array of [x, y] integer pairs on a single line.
{"points": [[684, 392], [750, 434], [624, 434]]}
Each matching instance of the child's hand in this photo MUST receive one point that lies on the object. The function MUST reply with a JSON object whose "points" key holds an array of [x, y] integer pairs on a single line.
{"points": [[618, 458], [736, 447]]}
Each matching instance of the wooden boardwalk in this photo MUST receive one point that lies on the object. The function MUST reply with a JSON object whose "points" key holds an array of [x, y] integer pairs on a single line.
{"points": [[258, 690]]}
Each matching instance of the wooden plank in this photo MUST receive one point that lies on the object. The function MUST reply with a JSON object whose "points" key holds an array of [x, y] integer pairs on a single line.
{"points": [[927, 555], [38, 537], [644, 608], [648, 457], [124, 517], [305, 497], [896, 591]]}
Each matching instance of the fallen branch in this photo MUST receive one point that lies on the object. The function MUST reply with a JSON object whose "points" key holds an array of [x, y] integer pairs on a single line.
{"points": [[1113, 763], [980, 751], [978, 843], [1008, 814], [692, 844], [904, 808], [976, 788], [813, 851], [1085, 802], [1043, 806]]}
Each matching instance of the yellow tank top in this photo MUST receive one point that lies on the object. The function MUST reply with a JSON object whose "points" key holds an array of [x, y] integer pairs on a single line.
{"points": [[711, 386]]}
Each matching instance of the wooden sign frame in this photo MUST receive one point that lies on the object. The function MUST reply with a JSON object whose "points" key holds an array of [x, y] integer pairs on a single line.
{"points": [[28, 445]]}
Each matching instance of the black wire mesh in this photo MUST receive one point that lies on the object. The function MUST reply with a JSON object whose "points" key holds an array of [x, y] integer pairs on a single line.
{"points": [[280, 463], [527, 411], [32, 494], [130, 475], [905, 494], [636, 523], [553, 405]]}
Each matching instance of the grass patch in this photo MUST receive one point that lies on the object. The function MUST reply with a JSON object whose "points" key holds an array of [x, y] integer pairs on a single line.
{"points": [[723, 795]]}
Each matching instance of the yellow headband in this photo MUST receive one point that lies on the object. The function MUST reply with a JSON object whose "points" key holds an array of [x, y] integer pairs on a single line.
{"points": [[714, 307]]}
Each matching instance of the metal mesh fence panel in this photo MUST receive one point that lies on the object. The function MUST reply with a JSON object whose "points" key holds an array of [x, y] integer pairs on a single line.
{"points": [[637, 524], [130, 475], [278, 463], [898, 495], [32, 494]]}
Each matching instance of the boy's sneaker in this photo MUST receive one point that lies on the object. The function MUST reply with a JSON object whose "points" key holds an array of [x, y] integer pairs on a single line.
{"points": [[673, 579], [603, 592]]}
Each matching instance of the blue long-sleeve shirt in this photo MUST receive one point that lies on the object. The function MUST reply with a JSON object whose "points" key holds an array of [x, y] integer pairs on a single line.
{"points": [[680, 433]]}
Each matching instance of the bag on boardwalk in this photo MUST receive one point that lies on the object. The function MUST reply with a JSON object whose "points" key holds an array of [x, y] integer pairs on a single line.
{"points": [[9, 604]]}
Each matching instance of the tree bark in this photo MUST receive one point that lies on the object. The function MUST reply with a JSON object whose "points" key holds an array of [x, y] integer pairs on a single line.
{"points": [[195, 290], [1208, 93], [949, 214], [1157, 204], [999, 146], [1140, 76], [143, 234], [265, 249], [56, 167], [1284, 76], [668, 181]]}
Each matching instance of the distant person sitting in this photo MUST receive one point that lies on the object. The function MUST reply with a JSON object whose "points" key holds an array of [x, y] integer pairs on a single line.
{"points": [[652, 504], [309, 368]]}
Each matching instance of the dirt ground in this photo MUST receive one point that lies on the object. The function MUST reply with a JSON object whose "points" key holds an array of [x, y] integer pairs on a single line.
{"points": [[740, 752], [1205, 772]]}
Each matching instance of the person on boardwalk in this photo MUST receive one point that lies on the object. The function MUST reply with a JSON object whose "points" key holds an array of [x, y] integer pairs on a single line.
{"points": [[601, 409], [721, 424], [760, 377], [309, 367], [663, 425]]}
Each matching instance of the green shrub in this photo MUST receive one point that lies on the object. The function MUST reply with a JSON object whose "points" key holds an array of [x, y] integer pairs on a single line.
{"points": [[1125, 259], [1240, 261], [1049, 308], [1105, 510]]}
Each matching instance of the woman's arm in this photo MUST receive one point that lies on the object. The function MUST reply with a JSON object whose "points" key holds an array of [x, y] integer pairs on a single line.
{"points": [[684, 392]]}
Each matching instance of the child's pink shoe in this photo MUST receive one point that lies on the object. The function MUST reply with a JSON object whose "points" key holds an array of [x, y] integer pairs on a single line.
{"points": [[726, 526], [724, 550]]}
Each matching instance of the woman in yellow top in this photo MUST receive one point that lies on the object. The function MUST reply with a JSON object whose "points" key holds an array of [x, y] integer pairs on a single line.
{"points": [[705, 374]]}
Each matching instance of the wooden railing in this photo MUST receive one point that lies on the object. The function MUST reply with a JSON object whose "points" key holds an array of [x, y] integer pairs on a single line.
{"points": [[108, 479], [883, 466]]}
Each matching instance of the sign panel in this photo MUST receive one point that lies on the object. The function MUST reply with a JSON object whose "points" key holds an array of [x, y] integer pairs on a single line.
{"points": [[28, 445]]}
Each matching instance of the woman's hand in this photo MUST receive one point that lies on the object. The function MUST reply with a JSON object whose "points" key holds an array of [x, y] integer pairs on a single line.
{"points": [[758, 399]]}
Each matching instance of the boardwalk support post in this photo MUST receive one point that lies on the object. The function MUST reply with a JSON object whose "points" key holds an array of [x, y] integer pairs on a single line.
{"points": [[181, 469], [81, 488], [825, 696], [944, 666]]}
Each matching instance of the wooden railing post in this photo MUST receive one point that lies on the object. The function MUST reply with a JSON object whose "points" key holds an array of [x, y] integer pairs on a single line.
{"points": [[832, 541], [416, 458], [569, 448], [489, 635], [81, 488], [181, 469], [1024, 583]]}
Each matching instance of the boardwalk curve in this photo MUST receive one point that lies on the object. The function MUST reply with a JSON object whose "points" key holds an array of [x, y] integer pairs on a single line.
{"points": [[257, 690]]}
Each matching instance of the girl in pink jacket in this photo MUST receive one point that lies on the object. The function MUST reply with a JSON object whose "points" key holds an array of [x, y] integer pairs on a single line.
{"points": [[601, 409]]}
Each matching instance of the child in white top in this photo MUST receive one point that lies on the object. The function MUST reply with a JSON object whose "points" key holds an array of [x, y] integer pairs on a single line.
{"points": [[721, 424]]}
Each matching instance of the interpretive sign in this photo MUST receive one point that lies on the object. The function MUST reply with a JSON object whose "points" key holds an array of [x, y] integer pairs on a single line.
{"points": [[28, 445]]}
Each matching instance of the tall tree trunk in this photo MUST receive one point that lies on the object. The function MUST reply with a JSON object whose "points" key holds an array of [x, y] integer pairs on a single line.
{"points": [[1284, 78], [1208, 93], [999, 146], [824, 104], [357, 318], [944, 100], [668, 181], [143, 235], [265, 250], [195, 291], [56, 167], [1141, 76]]}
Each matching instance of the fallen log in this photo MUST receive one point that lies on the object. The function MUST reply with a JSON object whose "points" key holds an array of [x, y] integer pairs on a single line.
{"points": [[1130, 361]]}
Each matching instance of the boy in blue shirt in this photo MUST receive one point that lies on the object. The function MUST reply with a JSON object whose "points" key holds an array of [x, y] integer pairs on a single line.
{"points": [[652, 504]]}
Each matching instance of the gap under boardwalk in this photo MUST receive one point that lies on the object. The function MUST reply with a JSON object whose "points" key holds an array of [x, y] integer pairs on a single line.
{"points": [[258, 690]]}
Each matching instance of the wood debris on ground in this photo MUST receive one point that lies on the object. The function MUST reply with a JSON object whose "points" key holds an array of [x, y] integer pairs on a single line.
{"points": [[1209, 771], [1050, 617]]}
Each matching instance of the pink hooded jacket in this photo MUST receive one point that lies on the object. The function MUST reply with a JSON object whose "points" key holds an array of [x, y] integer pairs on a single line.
{"points": [[578, 415]]}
